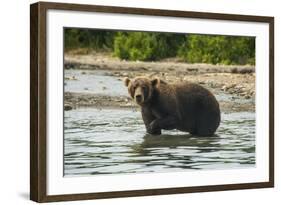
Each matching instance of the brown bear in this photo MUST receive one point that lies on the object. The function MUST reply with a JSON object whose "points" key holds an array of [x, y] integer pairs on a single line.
{"points": [[184, 106]]}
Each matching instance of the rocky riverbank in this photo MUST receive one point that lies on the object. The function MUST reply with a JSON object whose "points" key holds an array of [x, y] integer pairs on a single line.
{"points": [[235, 81], [76, 100]]}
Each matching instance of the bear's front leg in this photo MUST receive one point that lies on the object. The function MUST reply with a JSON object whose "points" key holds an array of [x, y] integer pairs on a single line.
{"points": [[166, 123], [148, 117]]}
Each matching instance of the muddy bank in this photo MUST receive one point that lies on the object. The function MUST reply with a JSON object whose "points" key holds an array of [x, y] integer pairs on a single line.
{"points": [[234, 79], [103, 61], [78, 100]]}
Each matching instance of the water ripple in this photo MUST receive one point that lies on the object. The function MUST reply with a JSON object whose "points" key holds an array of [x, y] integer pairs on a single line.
{"points": [[112, 141]]}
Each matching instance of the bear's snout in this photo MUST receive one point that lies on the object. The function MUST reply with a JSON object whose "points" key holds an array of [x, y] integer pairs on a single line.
{"points": [[138, 95], [138, 98]]}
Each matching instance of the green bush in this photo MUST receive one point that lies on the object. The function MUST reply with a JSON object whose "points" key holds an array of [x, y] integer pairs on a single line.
{"points": [[218, 49], [151, 46], [86, 38], [146, 46]]}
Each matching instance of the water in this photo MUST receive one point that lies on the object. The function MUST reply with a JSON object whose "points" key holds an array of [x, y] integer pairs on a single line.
{"points": [[95, 82], [113, 141]]}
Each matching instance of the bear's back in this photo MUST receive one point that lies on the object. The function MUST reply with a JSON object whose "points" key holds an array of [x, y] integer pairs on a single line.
{"points": [[199, 107]]}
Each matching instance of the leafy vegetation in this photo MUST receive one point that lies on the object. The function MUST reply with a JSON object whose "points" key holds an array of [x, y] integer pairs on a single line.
{"points": [[151, 46], [146, 46], [218, 49], [89, 39]]}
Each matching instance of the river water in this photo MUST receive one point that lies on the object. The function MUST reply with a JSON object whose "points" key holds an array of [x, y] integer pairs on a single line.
{"points": [[113, 141]]}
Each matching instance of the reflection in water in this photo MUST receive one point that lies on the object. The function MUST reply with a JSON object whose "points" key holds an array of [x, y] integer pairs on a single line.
{"points": [[112, 141]]}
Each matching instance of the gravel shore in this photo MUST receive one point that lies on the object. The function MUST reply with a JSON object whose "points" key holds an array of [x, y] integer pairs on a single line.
{"points": [[76, 100], [237, 81]]}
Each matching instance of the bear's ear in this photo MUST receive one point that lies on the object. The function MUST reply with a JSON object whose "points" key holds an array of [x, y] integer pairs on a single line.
{"points": [[155, 81], [126, 81]]}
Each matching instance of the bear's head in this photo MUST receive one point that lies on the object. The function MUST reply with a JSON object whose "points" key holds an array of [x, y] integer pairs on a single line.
{"points": [[141, 88]]}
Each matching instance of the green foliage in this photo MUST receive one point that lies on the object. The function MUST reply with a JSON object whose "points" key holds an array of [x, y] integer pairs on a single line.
{"points": [[146, 46], [91, 39], [150, 46], [218, 49]]}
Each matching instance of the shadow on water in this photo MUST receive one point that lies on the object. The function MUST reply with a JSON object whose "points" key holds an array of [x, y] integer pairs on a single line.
{"points": [[174, 141], [178, 151]]}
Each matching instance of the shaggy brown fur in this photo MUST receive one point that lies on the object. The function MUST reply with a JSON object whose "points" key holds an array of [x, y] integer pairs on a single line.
{"points": [[185, 106]]}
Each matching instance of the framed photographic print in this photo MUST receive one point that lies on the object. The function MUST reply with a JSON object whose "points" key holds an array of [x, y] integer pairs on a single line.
{"points": [[133, 102]]}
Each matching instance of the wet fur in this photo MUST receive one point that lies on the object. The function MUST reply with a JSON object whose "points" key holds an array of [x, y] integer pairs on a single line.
{"points": [[185, 106]]}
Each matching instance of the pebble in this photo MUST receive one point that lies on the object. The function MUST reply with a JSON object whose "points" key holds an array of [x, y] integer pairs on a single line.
{"points": [[231, 86], [71, 78], [67, 107], [239, 87], [224, 88]]}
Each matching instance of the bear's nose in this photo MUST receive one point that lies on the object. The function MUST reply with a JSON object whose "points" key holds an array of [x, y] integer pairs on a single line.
{"points": [[138, 98]]}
